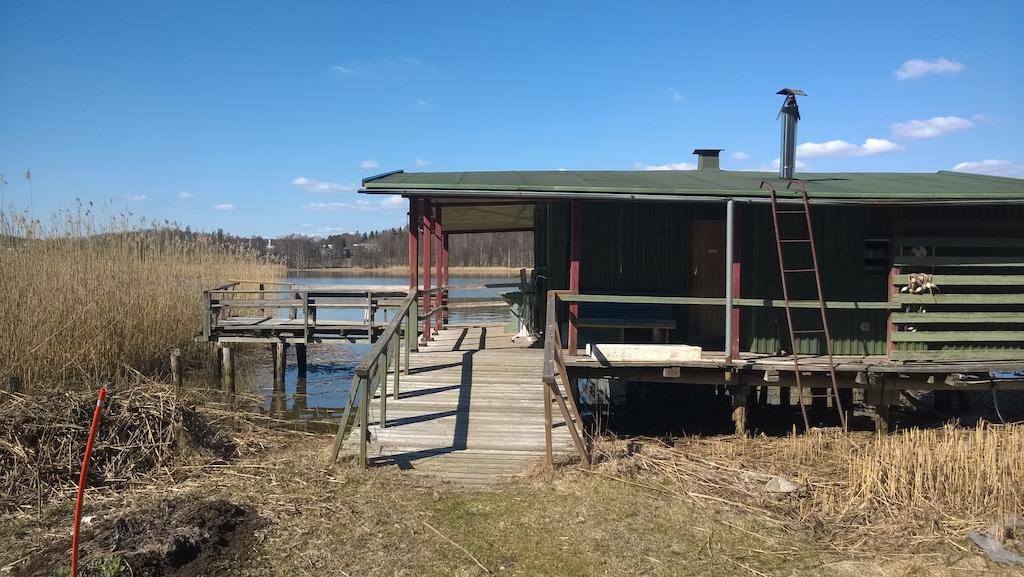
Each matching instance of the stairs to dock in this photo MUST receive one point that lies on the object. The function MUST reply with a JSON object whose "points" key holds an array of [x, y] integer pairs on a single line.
{"points": [[470, 410]]}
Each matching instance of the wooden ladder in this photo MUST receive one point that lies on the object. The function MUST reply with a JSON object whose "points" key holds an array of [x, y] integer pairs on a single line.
{"points": [[781, 244]]}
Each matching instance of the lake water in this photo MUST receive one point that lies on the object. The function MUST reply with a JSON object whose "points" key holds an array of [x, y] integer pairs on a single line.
{"points": [[330, 366]]}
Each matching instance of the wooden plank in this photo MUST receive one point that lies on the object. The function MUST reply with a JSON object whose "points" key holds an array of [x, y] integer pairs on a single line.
{"points": [[716, 301], [957, 318], [949, 224], [968, 279], [955, 241], [960, 299], [957, 336], [979, 261], [965, 355], [627, 323]]}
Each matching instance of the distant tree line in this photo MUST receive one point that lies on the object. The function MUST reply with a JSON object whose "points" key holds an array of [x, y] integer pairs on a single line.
{"points": [[389, 248]]}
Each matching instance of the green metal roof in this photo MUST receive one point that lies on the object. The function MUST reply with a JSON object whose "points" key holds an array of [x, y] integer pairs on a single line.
{"points": [[850, 186]]}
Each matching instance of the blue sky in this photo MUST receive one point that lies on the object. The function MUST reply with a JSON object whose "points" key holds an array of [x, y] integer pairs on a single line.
{"points": [[261, 119]]}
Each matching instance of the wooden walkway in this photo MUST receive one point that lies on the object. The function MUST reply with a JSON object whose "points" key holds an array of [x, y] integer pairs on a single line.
{"points": [[471, 410]]}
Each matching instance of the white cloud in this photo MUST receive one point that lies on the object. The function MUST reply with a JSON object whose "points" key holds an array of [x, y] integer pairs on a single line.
{"points": [[390, 202], [991, 167], [844, 148], [669, 166], [773, 166], [676, 97], [346, 71], [422, 162], [224, 206], [369, 164], [740, 156], [931, 128], [135, 197], [185, 195], [321, 186], [917, 68], [424, 103]]}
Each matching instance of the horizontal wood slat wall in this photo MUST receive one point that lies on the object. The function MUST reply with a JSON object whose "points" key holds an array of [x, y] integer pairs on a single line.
{"points": [[975, 310]]}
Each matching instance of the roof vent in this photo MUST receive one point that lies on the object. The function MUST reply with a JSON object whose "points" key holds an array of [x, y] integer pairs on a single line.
{"points": [[707, 158], [790, 114]]}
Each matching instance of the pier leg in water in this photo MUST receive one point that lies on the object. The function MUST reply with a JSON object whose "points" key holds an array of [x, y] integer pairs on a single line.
{"points": [[227, 372], [300, 396], [280, 361], [300, 359]]}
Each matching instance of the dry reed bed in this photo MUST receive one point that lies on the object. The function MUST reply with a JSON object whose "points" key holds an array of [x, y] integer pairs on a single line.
{"points": [[916, 488], [146, 432], [83, 300]]}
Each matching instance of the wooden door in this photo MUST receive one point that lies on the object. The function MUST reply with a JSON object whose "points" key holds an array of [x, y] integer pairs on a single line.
{"points": [[708, 268]]}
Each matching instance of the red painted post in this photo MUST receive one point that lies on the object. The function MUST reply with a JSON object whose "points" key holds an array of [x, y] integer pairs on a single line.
{"points": [[576, 246], [438, 262], [444, 270], [428, 238], [414, 255]]}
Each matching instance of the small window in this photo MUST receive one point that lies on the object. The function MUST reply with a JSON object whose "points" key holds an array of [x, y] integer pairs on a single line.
{"points": [[876, 256]]}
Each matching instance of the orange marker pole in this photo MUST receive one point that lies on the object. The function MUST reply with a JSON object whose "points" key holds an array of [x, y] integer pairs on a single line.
{"points": [[82, 478]]}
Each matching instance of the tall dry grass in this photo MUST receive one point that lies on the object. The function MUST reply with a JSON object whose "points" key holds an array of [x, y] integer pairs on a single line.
{"points": [[913, 488], [84, 297]]}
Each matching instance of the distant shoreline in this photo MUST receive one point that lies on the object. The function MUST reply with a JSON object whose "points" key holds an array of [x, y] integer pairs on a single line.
{"points": [[401, 271]]}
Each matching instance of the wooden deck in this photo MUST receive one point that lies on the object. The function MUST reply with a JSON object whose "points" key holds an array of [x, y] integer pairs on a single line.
{"points": [[471, 409]]}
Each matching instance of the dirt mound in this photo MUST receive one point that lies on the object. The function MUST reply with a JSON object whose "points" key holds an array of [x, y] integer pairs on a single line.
{"points": [[42, 440], [180, 537]]}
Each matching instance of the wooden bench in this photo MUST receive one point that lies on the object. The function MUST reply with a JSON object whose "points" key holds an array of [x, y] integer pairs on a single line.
{"points": [[657, 318]]}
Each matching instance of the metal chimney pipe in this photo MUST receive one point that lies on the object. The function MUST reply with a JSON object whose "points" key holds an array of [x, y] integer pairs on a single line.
{"points": [[790, 114]]}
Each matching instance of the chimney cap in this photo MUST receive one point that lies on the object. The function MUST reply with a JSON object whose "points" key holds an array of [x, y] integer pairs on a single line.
{"points": [[791, 92], [707, 151]]}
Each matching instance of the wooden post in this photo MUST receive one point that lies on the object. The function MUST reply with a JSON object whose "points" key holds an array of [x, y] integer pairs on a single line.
{"points": [[444, 272], [882, 418], [364, 420], [439, 264], [176, 370], [740, 400], [215, 361], [300, 359], [280, 361], [427, 238], [576, 246], [369, 317], [414, 233], [227, 371], [384, 363], [14, 385], [784, 400], [398, 364], [736, 284], [549, 454]]}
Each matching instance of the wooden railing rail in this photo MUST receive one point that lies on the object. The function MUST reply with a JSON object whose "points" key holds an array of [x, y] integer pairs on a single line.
{"points": [[372, 374]]}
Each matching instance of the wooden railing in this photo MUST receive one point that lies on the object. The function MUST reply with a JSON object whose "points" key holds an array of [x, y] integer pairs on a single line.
{"points": [[268, 299], [558, 387], [372, 375]]}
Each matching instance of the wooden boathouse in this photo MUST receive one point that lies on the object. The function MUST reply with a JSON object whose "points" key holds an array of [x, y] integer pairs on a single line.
{"points": [[807, 287]]}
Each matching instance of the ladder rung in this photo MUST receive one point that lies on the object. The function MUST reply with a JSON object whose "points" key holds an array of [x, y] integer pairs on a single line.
{"points": [[788, 270], [795, 240], [807, 332], [790, 212]]}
